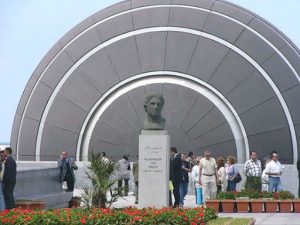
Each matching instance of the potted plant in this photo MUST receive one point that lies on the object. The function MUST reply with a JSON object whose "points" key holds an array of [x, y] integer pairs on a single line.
{"points": [[296, 204], [100, 173], [285, 200], [271, 204], [227, 200], [242, 201], [256, 203], [213, 203]]}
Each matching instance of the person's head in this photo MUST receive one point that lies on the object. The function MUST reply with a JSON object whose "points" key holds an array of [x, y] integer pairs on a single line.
{"points": [[173, 151], [274, 156], [153, 105], [220, 162], [64, 154], [183, 157], [207, 154], [125, 157], [253, 155], [231, 160], [2, 156], [191, 154], [198, 158], [103, 154], [7, 151]]}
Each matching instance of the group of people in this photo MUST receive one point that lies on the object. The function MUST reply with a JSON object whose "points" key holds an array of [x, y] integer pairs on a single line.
{"points": [[211, 176], [8, 179]]}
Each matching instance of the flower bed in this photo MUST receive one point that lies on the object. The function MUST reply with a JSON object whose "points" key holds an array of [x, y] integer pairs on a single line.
{"points": [[96, 216]]}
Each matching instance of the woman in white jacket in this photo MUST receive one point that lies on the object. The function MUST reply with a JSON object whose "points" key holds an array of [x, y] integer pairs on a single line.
{"points": [[222, 181]]}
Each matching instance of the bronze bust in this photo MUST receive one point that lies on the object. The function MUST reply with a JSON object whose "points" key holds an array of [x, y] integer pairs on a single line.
{"points": [[153, 106]]}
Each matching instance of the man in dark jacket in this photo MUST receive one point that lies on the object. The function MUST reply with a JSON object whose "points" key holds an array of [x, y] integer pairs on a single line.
{"points": [[176, 175], [9, 178], [67, 166]]}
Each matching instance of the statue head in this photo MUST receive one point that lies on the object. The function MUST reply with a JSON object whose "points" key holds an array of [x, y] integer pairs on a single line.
{"points": [[153, 106]]}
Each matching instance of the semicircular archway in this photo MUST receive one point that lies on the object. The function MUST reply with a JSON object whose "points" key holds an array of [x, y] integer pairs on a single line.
{"points": [[250, 63]]}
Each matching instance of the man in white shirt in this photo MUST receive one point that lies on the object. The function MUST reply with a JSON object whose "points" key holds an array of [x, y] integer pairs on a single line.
{"points": [[274, 170], [208, 175]]}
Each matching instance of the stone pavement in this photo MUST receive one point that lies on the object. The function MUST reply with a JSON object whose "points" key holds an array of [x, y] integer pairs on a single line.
{"points": [[260, 218]]}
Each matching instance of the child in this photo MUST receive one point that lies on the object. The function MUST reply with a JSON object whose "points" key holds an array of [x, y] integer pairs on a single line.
{"points": [[198, 188]]}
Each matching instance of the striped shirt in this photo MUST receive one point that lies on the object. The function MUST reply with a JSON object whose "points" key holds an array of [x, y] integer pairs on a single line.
{"points": [[252, 168]]}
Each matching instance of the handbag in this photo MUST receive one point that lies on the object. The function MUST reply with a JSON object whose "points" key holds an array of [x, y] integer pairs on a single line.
{"points": [[238, 177]]}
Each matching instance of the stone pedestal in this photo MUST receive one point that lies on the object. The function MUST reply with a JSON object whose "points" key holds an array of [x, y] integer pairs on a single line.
{"points": [[154, 160]]}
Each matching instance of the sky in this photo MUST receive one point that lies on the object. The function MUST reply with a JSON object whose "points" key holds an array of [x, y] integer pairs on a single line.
{"points": [[29, 28]]}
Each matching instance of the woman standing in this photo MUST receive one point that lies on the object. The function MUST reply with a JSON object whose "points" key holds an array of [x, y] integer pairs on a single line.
{"points": [[222, 181], [231, 172], [124, 173]]}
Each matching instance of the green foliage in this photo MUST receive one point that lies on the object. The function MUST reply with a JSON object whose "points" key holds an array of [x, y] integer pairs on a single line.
{"points": [[243, 194], [226, 195], [255, 195], [284, 195], [266, 194], [100, 173], [100, 216]]}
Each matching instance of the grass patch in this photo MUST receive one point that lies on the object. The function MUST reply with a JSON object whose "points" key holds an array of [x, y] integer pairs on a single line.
{"points": [[230, 221]]}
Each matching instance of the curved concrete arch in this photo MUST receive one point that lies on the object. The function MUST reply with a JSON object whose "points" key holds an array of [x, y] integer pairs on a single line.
{"points": [[159, 29], [172, 77], [284, 49], [160, 6]]}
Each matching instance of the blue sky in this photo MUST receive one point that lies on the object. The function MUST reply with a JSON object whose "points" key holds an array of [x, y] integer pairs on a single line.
{"points": [[29, 28]]}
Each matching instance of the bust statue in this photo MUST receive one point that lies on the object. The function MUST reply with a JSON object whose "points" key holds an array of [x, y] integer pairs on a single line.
{"points": [[153, 106]]}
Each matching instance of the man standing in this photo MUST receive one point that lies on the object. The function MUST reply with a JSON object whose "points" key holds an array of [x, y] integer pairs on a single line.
{"points": [[208, 175], [135, 172], [176, 174], [274, 169], [67, 166], [9, 178], [104, 158], [253, 170], [184, 183]]}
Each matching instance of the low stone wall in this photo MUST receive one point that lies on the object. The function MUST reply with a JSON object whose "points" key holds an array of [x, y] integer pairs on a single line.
{"points": [[38, 183]]}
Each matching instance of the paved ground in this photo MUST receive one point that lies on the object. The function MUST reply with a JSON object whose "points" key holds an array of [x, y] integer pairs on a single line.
{"points": [[260, 218]]}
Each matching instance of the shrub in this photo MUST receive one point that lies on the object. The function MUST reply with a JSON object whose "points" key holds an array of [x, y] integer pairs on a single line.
{"points": [[254, 194], [226, 195], [284, 195], [243, 194], [266, 194]]}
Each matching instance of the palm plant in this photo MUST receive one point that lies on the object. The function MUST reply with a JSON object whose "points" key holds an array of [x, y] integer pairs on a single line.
{"points": [[100, 172]]}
